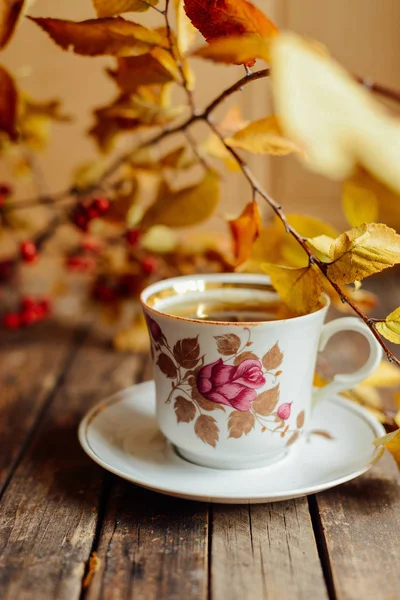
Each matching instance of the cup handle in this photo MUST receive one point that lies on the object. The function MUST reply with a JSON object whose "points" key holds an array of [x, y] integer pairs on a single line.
{"points": [[346, 381]]}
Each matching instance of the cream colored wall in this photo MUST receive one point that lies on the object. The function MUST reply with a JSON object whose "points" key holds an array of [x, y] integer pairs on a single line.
{"points": [[363, 34]]}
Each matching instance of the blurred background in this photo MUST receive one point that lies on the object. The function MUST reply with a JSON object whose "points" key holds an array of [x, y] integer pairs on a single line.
{"points": [[362, 34]]}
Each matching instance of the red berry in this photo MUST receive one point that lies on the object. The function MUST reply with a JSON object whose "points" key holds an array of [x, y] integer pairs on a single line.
{"points": [[91, 245], [27, 303], [132, 236], [149, 265], [29, 316], [92, 212], [101, 203], [104, 293], [45, 306], [80, 263], [12, 320], [5, 189], [28, 252]]}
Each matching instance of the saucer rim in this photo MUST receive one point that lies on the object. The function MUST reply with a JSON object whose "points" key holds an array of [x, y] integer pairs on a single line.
{"points": [[258, 498]]}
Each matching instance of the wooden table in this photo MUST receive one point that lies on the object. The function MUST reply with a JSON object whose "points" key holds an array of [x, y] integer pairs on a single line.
{"points": [[57, 507]]}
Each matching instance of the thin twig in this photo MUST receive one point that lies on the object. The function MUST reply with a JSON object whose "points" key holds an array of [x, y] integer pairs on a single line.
{"points": [[313, 259], [382, 90]]}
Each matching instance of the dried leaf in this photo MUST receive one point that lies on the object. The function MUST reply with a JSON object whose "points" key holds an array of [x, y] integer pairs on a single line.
{"points": [[184, 409], [166, 365], [10, 11], [185, 32], [214, 147], [240, 423], [273, 358], [235, 49], [338, 129], [228, 18], [35, 120], [109, 8], [227, 344], [321, 244], [94, 566], [385, 376], [188, 206], [300, 289], [300, 419], [244, 356], [204, 403], [8, 104], [135, 71], [293, 438], [96, 37], [390, 329], [360, 205], [263, 137], [391, 441], [159, 239], [207, 430], [363, 251], [266, 402], [187, 352], [245, 229]]}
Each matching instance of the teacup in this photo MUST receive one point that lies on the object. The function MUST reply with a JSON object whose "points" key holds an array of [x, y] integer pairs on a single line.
{"points": [[238, 395]]}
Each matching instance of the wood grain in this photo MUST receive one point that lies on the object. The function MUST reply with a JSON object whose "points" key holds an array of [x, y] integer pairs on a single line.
{"points": [[48, 514], [151, 547], [31, 365], [360, 524], [265, 551]]}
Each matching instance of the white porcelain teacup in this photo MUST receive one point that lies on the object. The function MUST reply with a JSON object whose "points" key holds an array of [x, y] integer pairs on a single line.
{"points": [[236, 395]]}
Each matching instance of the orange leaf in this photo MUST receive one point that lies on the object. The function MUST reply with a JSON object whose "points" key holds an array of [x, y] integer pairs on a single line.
{"points": [[96, 37], [222, 18], [8, 103], [236, 49], [9, 13], [245, 230], [108, 8]]}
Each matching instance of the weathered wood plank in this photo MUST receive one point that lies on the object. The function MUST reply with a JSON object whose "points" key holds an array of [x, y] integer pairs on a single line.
{"points": [[265, 551], [48, 514], [360, 524], [151, 547], [31, 365]]}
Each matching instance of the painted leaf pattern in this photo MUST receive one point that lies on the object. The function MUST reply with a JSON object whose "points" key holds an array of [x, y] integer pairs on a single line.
{"points": [[228, 344], [266, 402], [244, 356], [240, 423], [206, 429], [187, 352], [184, 409], [273, 358], [166, 365], [300, 419]]}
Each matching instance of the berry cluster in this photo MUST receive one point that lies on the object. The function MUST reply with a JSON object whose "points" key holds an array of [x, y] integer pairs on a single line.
{"points": [[30, 311], [84, 212]]}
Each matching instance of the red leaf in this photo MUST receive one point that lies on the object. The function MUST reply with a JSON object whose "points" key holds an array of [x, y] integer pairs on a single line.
{"points": [[221, 18], [245, 230], [9, 13], [8, 103]]}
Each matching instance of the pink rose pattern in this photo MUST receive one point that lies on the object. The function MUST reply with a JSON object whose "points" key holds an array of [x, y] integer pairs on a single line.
{"points": [[234, 381], [233, 386]]}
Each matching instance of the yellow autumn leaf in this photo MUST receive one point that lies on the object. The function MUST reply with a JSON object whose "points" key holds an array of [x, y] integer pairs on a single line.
{"points": [[308, 227], [391, 441], [185, 30], [360, 205], [390, 328], [214, 147], [263, 137], [188, 206], [109, 8], [363, 251], [335, 120], [397, 418], [300, 289], [159, 239], [235, 49], [321, 244], [385, 376]]}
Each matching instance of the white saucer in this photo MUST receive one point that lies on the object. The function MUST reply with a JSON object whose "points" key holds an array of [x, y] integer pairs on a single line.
{"points": [[121, 435]]}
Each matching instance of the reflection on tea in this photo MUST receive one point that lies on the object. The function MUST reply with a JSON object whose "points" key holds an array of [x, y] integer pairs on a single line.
{"points": [[229, 311]]}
